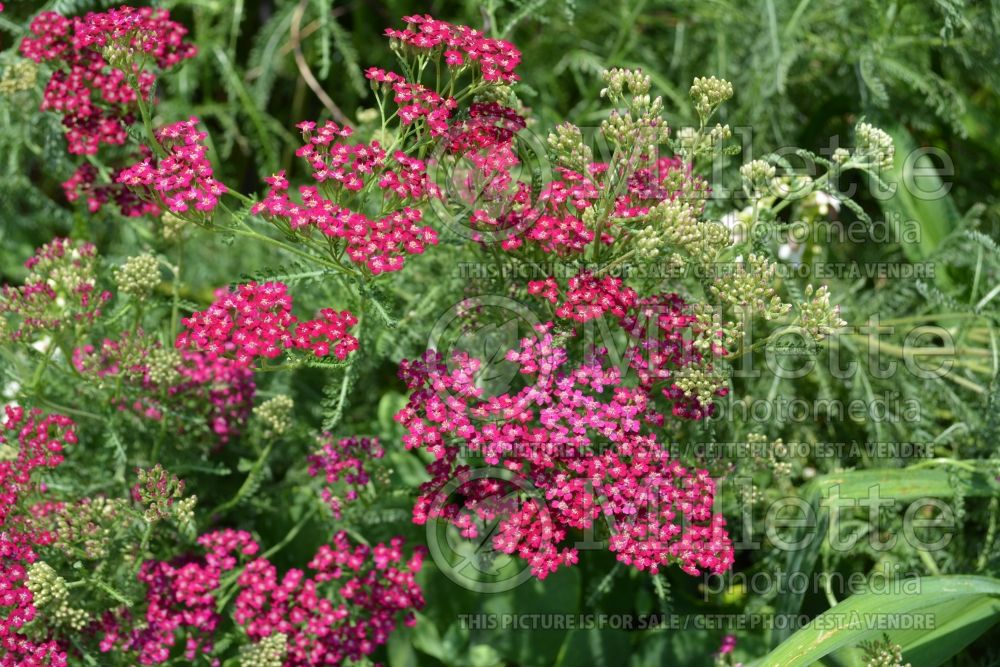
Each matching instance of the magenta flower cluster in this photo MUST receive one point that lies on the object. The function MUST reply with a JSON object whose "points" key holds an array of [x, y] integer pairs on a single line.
{"points": [[580, 436], [461, 46], [183, 177], [379, 244], [39, 441], [256, 320], [96, 100], [340, 613], [587, 296]]}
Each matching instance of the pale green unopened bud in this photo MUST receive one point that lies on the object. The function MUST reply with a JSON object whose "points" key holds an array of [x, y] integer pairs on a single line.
{"points": [[708, 93], [757, 176], [268, 652], [162, 363], [19, 77], [817, 316], [50, 595], [276, 414], [875, 145], [138, 276]]}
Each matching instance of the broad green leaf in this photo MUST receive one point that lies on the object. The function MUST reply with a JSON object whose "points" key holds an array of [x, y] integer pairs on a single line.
{"points": [[950, 611], [902, 484]]}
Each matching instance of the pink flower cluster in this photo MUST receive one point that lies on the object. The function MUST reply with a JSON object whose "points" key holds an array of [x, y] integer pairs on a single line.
{"points": [[60, 289], [83, 185], [40, 440], [182, 178], [378, 244], [343, 461], [181, 600], [583, 439], [587, 296], [461, 46], [343, 612], [483, 147], [96, 101], [414, 101], [256, 320], [40, 443]]}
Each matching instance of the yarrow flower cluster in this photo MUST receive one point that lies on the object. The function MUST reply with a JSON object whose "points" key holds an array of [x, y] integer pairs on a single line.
{"points": [[343, 461], [338, 169], [180, 602], [94, 57], [84, 184], [256, 320], [415, 101], [342, 612], [59, 291], [38, 440], [461, 46], [575, 434], [183, 178], [587, 296]]}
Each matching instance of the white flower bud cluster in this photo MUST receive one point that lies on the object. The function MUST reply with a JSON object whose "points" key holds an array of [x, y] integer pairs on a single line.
{"points": [[884, 654], [817, 316], [162, 363], [757, 176], [708, 93], [19, 77], [621, 80], [172, 225], [874, 145], [748, 286], [569, 149], [138, 276], [51, 595], [268, 652], [276, 414]]}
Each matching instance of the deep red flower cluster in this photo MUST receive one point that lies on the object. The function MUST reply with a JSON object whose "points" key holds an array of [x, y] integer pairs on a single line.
{"points": [[181, 600], [661, 333], [39, 441], [60, 289], [343, 612], [554, 221], [587, 296], [579, 436], [96, 100], [343, 461], [483, 147], [256, 320], [461, 46], [182, 178], [378, 244]]}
